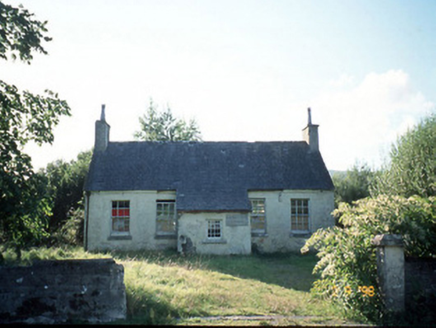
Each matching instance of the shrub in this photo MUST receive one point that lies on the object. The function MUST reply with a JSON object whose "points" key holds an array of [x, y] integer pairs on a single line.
{"points": [[347, 258], [352, 185], [412, 166], [71, 232]]}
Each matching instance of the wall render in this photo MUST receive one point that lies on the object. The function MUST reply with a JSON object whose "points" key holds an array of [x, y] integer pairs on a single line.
{"points": [[235, 237], [278, 236], [142, 233]]}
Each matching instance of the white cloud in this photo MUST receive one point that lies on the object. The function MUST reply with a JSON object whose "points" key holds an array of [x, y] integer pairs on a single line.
{"points": [[343, 81], [360, 121]]}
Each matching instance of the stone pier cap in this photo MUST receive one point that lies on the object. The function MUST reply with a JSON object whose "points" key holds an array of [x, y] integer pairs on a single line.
{"points": [[388, 240]]}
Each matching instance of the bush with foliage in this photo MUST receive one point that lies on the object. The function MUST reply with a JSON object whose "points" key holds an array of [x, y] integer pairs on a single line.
{"points": [[65, 181], [412, 167], [347, 257], [71, 232], [352, 185]]}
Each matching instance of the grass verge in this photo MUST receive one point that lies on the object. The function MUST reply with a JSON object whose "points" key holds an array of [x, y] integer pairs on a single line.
{"points": [[166, 288]]}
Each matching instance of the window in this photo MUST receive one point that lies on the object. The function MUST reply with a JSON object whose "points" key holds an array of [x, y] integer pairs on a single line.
{"points": [[300, 215], [257, 215], [121, 216], [165, 217], [214, 229]]}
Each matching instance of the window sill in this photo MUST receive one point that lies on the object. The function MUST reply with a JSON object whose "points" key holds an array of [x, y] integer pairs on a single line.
{"points": [[300, 234], [259, 234], [214, 241], [157, 236], [120, 237]]}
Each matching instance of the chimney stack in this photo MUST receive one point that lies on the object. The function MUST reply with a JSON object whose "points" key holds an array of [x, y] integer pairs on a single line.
{"points": [[101, 132], [103, 115], [310, 133]]}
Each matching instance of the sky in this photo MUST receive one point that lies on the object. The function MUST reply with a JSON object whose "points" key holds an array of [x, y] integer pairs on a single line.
{"points": [[245, 70]]}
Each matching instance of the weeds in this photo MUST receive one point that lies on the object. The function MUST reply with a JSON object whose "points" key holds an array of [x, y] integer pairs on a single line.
{"points": [[164, 288]]}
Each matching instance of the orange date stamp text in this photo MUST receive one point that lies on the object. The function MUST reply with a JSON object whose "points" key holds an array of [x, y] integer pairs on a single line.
{"points": [[366, 291]]}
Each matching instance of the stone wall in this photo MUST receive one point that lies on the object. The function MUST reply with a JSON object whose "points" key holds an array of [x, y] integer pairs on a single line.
{"points": [[421, 281], [89, 291], [390, 271], [405, 283]]}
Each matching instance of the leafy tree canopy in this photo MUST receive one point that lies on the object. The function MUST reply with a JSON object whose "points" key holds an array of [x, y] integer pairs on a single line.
{"points": [[65, 181], [412, 167], [353, 185], [64, 185], [25, 117], [20, 34], [163, 126]]}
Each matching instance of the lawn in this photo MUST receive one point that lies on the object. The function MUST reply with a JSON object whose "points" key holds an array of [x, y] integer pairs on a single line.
{"points": [[166, 288]]}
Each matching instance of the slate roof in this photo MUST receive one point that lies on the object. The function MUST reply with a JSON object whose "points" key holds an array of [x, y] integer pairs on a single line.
{"points": [[208, 176]]}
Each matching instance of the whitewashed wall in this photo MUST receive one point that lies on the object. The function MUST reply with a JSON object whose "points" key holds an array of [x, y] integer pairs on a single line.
{"points": [[278, 237], [235, 239], [142, 221]]}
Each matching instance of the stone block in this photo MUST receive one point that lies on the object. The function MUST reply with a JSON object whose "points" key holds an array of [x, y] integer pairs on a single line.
{"points": [[90, 291]]}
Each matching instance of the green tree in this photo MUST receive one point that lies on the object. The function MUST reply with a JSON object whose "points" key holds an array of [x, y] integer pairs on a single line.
{"points": [[347, 257], [412, 167], [402, 202], [24, 205], [20, 34], [163, 126], [353, 185], [65, 181]]}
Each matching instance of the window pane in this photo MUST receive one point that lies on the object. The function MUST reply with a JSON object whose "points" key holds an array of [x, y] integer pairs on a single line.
{"points": [[120, 224], [258, 206], [120, 216], [300, 214], [305, 224], [214, 229], [257, 223], [165, 226], [257, 215], [165, 217]]}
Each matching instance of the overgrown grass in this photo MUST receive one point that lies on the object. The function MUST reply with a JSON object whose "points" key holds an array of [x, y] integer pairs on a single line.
{"points": [[53, 253], [166, 288]]}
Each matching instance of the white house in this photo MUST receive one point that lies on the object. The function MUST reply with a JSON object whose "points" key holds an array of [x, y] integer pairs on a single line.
{"points": [[206, 197]]}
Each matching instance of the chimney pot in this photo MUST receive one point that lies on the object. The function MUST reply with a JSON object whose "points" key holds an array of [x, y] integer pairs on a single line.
{"points": [[309, 114], [103, 115]]}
